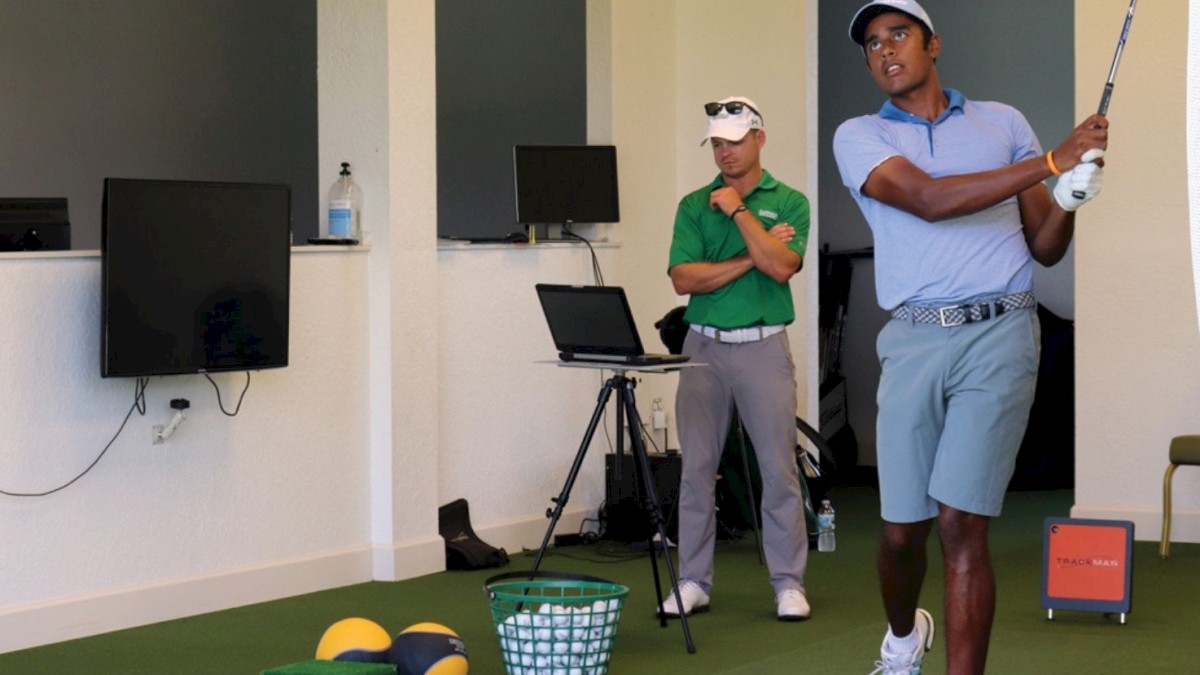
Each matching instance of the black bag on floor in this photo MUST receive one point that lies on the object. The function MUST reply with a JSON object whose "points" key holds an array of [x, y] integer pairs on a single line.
{"points": [[464, 549]]}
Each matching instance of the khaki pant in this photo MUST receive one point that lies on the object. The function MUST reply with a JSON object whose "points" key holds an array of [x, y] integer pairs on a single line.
{"points": [[760, 379]]}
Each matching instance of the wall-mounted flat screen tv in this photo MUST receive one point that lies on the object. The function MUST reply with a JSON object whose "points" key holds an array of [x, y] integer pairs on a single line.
{"points": [[195, 277], [562, 184]]}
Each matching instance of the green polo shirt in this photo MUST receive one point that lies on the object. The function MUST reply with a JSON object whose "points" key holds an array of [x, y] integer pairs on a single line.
{"points": [[704, 235]]}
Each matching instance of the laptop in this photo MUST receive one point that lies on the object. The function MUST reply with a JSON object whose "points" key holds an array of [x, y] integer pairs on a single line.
{"points": [[595, 324]]}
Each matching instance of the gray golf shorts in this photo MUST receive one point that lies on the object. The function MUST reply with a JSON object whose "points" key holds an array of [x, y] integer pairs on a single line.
{"points": [[953, 407]]}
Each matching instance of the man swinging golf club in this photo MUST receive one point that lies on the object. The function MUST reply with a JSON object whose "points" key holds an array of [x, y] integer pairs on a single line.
{"points": [[953, 192]]}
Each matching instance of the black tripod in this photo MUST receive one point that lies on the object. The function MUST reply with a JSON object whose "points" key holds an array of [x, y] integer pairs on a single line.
{"points": [[626, 407]]}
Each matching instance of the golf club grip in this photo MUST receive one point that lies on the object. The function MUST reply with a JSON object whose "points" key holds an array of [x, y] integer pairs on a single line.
{"points": [[1105, 98], [1102, 110]]}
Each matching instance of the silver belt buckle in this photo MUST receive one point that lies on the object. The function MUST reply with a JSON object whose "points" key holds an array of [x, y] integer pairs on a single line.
{"points": [[942, 316]]}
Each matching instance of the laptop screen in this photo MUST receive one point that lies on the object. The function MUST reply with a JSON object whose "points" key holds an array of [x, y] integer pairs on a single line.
{"points": [[589, 319]]}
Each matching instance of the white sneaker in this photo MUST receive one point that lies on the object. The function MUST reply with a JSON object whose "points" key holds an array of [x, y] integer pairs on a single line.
{"points": [[791, 605], [694, 600], [910, 663]]}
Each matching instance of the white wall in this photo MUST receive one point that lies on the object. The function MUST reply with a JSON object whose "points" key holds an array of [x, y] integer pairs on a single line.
{"points": [[1137, 347], [664, 68], [334, 469], [513, 421], [776, 76], [1193, 144], [227, 511], [308, 487], [511, 428], [404, 306], [413, 378]]}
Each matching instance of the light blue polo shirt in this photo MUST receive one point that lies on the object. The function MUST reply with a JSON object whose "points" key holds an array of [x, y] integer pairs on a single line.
{"points": [[922, 263]]}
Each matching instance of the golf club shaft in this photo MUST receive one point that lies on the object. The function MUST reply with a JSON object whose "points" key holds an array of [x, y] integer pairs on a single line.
{"points": [[1112, 73]]}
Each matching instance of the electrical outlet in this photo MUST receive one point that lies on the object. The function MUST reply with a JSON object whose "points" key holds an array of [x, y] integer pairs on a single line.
{"points": [[659, 418]]}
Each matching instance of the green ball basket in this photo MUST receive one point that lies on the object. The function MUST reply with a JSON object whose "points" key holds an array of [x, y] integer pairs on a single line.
{"points": [[554, 623]]}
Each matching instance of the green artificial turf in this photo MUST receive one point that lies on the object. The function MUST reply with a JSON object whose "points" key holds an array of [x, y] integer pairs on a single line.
{"points": [[739, 635]]}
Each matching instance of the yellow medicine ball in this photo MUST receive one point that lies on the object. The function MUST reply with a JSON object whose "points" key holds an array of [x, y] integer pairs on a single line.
{"points": [[428, 649], [354, 639]]}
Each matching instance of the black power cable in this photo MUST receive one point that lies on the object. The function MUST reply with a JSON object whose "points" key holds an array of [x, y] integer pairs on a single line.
{"points": [[595, 261], [139, 404], [239, 402]]}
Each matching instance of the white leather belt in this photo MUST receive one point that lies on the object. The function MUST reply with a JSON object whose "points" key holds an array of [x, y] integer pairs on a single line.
{"points": [[735, 335]]}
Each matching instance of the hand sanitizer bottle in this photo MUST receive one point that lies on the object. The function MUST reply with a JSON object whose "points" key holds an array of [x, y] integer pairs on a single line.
{"points": [[345, 208]]}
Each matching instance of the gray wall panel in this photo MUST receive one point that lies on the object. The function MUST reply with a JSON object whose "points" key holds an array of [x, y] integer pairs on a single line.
{"points": [[509, 73], [175, 89]]}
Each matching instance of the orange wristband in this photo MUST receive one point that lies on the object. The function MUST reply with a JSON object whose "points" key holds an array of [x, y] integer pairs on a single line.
{"points": [[1050, 163]]}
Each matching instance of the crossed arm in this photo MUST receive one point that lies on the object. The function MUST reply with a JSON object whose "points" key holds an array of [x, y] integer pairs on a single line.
{"points": [[767, 251]]}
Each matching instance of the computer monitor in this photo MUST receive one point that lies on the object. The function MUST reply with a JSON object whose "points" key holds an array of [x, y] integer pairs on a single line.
{"points": [[564, 184], [194, 277]]}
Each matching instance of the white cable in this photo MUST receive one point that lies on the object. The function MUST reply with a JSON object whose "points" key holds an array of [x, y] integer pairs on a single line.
{"points": [[171, 426]]}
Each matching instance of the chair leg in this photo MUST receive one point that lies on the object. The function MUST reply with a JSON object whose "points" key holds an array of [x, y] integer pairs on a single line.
{"points": [[1164, 548]]}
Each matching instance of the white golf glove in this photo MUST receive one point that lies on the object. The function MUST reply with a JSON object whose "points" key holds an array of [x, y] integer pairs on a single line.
{"points": [[1079, 185]]}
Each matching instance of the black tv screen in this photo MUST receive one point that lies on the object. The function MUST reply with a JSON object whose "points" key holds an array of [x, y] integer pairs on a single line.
{"points": [[566, 184], [195, 277]]}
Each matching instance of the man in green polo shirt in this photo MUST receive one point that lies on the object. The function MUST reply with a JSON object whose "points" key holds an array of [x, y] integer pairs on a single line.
{"points": [[737, 242]]}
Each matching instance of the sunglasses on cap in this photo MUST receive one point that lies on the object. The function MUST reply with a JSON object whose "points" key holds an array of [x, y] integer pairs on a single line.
{"points": [[733, 108]]}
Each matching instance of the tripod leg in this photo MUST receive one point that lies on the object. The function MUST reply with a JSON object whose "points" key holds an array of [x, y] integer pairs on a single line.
{"points": [[753, 507], [651, 513], [560, 501], [651, 507]]}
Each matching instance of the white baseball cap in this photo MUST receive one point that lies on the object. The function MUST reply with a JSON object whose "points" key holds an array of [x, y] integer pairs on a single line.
{"points": [[731, 126], [869, 11]]}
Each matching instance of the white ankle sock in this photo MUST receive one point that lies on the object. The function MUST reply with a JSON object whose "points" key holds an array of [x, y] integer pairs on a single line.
{"points": [[902, 645]]}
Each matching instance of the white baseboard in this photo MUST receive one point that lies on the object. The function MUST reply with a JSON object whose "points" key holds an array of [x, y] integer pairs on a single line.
{"points": [[528, 533], [1147, 522], [408, 559], [33, 625], [22, 627]]}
